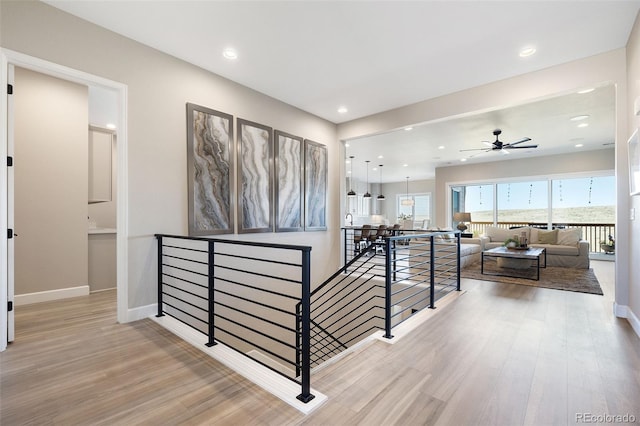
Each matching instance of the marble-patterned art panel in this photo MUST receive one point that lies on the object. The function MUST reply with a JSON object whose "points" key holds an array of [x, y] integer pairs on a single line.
{"points": [[315, 164], [254, 177], [288, 182], [210, 170]]}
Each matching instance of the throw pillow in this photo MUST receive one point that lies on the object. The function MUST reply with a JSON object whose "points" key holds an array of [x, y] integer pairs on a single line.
{"points": [[499, 234], [569, 236], [533, 239], [548, 237]]}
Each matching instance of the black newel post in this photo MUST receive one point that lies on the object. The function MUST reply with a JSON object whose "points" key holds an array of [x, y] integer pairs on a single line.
{"points": [[387, 290], [159, 238], [211, 265], [432, 288], [305, 396], [458, 270]]}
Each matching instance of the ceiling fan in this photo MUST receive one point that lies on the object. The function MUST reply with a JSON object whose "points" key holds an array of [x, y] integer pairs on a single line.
{"points": [[497, 145]]}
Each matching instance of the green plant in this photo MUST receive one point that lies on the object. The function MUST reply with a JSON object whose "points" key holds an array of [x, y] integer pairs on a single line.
{"points": [[511, 240]]}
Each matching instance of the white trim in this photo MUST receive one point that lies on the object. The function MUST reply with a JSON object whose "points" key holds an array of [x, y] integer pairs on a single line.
{"points": [[135, 314], [257, 373], [624, 311], [49, 295], [60, 71]]}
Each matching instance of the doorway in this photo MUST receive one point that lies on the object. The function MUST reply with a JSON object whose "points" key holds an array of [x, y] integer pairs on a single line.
{"points": [[9, 60]]}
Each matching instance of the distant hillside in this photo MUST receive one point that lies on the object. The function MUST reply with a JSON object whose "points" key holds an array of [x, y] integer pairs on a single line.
{"points": [[594, 214]]}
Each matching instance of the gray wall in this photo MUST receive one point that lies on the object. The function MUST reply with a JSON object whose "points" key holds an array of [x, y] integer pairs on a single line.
{"points": [[159, 86], [51, 121]]}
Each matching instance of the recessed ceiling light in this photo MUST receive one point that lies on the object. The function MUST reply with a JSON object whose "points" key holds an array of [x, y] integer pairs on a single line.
{"points": [[579, 145], [111, 126], [348, 161], [343, 110], [527, 51], [405, 165], [583, 124], [408, 128], [347, 145], [441, 147], [230, 53], [380, 156], [589, 90], [579, 118], [463, 159]]}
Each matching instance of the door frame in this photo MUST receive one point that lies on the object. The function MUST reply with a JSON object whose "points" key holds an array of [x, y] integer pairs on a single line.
{"points": [[14, 58]]}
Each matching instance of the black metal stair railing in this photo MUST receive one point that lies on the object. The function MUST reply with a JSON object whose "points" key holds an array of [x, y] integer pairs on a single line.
{"points": [[257, 305]]}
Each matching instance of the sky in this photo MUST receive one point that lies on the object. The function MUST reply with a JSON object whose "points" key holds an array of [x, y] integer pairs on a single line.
{"points": [[577, 192]]}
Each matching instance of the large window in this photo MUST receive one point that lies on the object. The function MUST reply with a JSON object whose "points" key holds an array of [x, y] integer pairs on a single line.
{"points": [[558, 201], [523, 202], [417, 208]]}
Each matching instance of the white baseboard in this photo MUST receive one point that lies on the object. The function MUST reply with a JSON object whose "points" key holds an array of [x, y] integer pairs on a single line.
{"points": [[623, 311], [46, 296], [141, 312]]}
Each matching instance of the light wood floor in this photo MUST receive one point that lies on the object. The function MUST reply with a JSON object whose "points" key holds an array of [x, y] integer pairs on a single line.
{"points": [[500, 354]]}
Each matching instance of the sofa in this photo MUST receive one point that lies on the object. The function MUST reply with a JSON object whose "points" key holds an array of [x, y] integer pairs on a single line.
{"points": [[564, 247], [470, 249]]}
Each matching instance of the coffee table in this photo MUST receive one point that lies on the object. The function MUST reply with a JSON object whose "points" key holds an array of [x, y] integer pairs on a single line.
{"points": [[513, 258]]}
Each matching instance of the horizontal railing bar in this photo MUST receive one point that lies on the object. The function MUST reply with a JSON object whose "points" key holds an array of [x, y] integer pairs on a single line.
{"points": [[239, 242], [325, 331], [332, 277], [184, 280], [353, 310], [182, 269], [251, 329], [264, 290], [182, 248], [264, 305], [184, 259], [183, 301], [257, 274], [344, 288], [426, 290], [257, 259], [184, 322], [284, 327], [184, 312], [366, 320], [411, 306], [256, 345], [184, 291], [319, 314]]}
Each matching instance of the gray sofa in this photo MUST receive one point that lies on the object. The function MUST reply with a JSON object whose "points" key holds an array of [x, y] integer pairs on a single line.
{"points": [[470, 249], [564, 247]]}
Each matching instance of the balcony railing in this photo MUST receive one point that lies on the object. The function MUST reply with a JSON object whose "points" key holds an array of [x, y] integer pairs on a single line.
{"points": [[594, 233]]}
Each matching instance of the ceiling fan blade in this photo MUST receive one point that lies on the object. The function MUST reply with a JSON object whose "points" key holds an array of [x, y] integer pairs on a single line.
{"points": [[520, 141], [503, 151], [487, 143], [520, 147], [476, 149]]}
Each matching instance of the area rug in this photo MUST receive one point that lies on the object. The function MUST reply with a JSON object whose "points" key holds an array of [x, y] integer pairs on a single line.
{"points": [[569, 279]]}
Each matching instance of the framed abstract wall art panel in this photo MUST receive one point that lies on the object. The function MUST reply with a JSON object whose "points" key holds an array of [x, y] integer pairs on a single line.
{"points": [[288, 182], [210, 171], [634, 164], [255, 189], [315, 186]]}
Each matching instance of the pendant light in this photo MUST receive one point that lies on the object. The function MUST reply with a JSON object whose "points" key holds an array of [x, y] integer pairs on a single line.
{"points": [[367, 194], [407, 201], [351, 192], [380, 197]]}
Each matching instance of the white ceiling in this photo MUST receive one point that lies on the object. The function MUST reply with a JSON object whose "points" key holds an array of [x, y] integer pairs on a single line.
{"points": [[372, 56]]}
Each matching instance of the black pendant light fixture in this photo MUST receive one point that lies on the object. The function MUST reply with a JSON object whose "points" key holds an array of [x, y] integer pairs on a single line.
{"points": [[367, 194], [380, 197], [351, 192]]}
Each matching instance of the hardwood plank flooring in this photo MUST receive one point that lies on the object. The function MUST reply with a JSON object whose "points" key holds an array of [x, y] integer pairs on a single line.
{"points": [[500, 354]]}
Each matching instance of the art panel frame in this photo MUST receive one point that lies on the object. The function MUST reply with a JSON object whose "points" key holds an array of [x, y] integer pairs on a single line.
{"points": [[255, 177], [315, 186], [288, 182], [210, 170], [634, 163]]}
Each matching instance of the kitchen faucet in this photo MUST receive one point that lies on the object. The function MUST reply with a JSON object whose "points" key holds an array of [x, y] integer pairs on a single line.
{"points": [[349, 216]]}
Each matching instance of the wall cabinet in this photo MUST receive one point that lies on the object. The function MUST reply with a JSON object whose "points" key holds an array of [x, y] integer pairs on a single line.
{"points": [[100, 153]]}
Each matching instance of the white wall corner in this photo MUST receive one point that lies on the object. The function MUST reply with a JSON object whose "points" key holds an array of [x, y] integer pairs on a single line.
{"points": [[135, 314], [623, 311]]}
